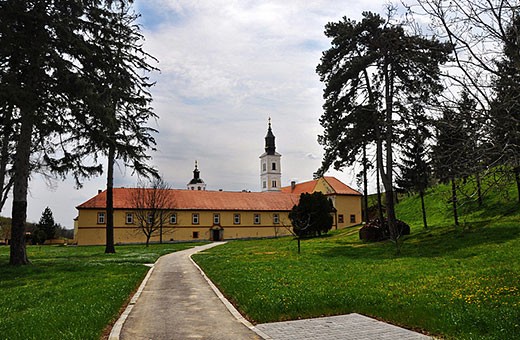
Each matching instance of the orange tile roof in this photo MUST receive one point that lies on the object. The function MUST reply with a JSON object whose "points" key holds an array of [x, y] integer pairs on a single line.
{"points": [[339, 187], [300, 188], [204, 200]]}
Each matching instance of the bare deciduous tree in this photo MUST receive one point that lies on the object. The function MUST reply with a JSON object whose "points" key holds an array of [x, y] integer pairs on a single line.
{"points": [[485, 65], [153, 206]]}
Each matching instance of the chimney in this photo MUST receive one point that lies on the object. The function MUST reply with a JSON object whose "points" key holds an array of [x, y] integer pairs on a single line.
{"points": [[293, 185], [99, 191]]}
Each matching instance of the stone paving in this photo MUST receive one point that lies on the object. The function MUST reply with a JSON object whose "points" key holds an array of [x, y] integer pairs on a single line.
{"points": [[350, 326]]}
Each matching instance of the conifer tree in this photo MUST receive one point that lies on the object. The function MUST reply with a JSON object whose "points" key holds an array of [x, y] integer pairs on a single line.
{"points": [[505, 108], [47, 224], [414, 167], [450, 153], [74, 90]]}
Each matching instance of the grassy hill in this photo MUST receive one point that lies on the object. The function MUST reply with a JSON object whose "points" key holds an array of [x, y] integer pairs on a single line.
{"points": [[456, 284], [498, 201]]}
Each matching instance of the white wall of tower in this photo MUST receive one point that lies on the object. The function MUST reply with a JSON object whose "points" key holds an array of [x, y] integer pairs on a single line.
{"points": [[270, 172]]}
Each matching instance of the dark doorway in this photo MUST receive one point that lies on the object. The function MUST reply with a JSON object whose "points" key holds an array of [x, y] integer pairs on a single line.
{"points": [[215, 235]]}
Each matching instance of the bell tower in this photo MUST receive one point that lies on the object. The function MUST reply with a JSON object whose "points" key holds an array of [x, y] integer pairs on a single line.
{"points": [[270, 164]]}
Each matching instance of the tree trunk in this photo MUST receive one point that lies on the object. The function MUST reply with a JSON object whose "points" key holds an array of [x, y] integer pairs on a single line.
{"points": [[421, 193], [454, 201], [365, 184], [109, 247], [379, 200], [517, 178], [479, 189], [4, 156], [387, 177], [18, 253], [160, 227]]}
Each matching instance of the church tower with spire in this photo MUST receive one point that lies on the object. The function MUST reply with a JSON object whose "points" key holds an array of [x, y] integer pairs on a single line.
{"points": [[270, 164], [196, 183]]}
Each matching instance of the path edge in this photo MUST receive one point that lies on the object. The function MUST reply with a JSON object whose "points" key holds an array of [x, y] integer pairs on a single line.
{"points": [[118, 326], [228, 304]]}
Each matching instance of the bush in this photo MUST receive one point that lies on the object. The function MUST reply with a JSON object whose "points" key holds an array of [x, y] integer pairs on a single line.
{"points": [[375, 230]]}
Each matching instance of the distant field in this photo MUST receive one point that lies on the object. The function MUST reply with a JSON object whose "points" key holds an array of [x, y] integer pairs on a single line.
{"points": [[71, 292], [451, 283]]}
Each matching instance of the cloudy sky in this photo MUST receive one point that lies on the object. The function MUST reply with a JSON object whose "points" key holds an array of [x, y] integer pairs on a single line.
{"points": [[226, 67]]}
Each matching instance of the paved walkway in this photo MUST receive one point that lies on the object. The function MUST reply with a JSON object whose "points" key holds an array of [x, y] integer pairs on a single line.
{"points": [[348, 327], [176, 301]]}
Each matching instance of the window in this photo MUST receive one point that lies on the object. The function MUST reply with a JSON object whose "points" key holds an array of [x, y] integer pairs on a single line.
{"points": [[352, 218], [236, 219], [216, 218], [100, 217], [273, 184], [257, 219], [129, 218], [173, 219], [340, 218], [273, 166], [194, 218], [195, 234], [276, 218], [199, 188], [264, 166], [264, 184]]}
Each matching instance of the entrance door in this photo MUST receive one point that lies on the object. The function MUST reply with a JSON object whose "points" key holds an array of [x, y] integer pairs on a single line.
{"points": [[215, 233]]}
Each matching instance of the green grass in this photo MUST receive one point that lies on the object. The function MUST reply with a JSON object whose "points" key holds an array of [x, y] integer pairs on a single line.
{"points": [[458, 284], [71, 292]]}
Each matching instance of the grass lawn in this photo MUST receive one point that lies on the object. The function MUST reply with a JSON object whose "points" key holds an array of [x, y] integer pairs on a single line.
{"points": [[71, 292], [458, 284]]}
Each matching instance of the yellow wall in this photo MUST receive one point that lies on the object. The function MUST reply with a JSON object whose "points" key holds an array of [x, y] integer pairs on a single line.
{"points": [[323, 187], [347, 205], [90, 232]]}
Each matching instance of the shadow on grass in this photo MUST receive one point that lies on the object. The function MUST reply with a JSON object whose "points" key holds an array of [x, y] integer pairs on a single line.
{"points": [[428, 243]]}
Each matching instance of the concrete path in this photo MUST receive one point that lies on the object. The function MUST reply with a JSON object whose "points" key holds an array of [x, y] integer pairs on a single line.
{"points": [[177, 301]]}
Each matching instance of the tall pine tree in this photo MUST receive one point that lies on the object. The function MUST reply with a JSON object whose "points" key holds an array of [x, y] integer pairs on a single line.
{"points": [[375, 63]]}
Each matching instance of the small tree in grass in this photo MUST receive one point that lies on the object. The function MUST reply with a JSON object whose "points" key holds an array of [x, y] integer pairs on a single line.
{"points": [[46, 229], [311, 216]]}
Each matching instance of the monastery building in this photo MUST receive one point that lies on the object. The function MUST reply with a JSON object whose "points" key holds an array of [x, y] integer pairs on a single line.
{"points": [[199, 214]]}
